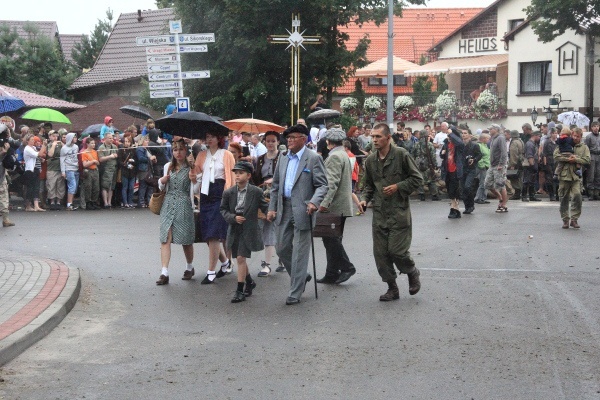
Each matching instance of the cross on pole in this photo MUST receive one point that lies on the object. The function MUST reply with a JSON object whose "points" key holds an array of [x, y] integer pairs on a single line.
{"points": [[295, 40]]}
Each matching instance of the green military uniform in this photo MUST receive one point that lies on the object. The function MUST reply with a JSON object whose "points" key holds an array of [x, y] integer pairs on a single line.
{"points": [[426, 164], [569, 186], [392, 222], [109, 167]]}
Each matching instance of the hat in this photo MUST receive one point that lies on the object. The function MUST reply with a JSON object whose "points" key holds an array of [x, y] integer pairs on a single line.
{"points": [[243, 166], [495, 126], [514, 134], [335, 135], [536, 133], [551, 125], [52, 132], [296, 129], [62, 131]]}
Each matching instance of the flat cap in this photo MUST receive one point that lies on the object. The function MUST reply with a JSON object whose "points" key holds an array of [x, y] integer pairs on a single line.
{"points": [[243, 166], [335, 135]]}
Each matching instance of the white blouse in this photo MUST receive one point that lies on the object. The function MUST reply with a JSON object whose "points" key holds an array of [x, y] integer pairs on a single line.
{"points": [[30, 155], [213, 168]]}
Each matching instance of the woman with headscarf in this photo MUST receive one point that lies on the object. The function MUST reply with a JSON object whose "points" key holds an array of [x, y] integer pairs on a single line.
{"points": [[214, 166]]}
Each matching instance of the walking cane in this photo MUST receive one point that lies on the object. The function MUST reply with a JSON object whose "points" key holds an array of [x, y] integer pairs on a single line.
{"points": [[312, 245]]}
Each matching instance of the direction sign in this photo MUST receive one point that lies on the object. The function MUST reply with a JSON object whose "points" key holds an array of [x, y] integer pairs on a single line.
{"points": [[201, 48], [190, 38], [163, 77], [162, 67], [175, 26], [168, 58], [195, 74], [183, 104], [161, 85], [157, 94]]}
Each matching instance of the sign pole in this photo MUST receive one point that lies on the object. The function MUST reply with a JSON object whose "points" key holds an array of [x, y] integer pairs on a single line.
{"points": [[178, 52]]}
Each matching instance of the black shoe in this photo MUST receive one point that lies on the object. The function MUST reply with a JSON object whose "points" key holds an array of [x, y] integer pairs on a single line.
{"points": [[345, 275], [422, 197], [454, 214], [280, 267], [435, 198], [238, 297], [328, 279], [469, 210], [290, 301], [249, 288], [533, 198], [207, 281], [308, 279], [524, 199], [220, 273]]}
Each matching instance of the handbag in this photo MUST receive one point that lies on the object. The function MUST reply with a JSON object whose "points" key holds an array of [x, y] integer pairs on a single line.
{"points": [[156, 201], [198, 224], [328, 225]]}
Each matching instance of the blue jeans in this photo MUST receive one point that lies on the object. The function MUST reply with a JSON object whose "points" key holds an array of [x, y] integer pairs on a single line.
{"points": [[72, 180], [127, 190], [481, 192], [144, 192]]}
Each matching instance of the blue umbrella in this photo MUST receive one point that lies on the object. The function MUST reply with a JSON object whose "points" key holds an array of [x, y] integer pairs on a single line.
{"points": [[10, 103]]}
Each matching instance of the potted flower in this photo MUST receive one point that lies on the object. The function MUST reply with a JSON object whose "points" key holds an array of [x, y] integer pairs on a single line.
{"points": [[372, 103], [403, 103], [348, 104], [445, 103]]}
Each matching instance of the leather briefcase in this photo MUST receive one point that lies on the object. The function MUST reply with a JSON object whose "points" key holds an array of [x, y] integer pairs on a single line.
{"points": [[328, 225]]}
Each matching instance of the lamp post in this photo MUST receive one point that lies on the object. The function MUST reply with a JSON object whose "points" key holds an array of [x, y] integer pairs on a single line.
{"points": [[549, 114], [361, 118], [453, 118], [534, 115], [372, 119]]}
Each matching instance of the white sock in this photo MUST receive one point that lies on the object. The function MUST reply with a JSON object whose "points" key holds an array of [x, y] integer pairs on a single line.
{"points": [[224, 264], [211, 275], [68, 204], [189, 267], [165, 271]]}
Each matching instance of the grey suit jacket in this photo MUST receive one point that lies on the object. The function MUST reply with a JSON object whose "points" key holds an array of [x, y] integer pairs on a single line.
{"points": [[310, 186], [339, 179], [249, 231]]}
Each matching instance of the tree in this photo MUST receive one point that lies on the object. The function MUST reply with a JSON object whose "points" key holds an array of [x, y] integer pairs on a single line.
{"points": [[552, 18], [165, 4], [86, 52], [249, 75], [422, 90], [8, 48]]}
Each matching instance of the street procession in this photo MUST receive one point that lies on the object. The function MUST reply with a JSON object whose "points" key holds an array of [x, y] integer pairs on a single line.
{"points": [[334, 173]]}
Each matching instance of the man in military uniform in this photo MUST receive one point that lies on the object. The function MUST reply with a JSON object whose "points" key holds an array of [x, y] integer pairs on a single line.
{"points": [[424, 155], [516, 151], [569, 183], [530, 172], [4, 195], [391, 175], [592, 141]]}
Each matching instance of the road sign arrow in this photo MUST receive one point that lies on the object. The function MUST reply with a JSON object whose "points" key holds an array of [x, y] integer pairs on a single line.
{"points": [[202, 48], [161, 85], [169, 58], [163, 77], [195, 74], [157, 94], [162, 67]]}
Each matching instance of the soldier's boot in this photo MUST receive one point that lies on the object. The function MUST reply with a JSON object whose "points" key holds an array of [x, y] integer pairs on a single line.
{"points": [[596, 194], [566, 223], [517, 195], [532, 194], [524, 193], [422, 196], [6, 222], [393, 292], [574, 223], [414, 283]]}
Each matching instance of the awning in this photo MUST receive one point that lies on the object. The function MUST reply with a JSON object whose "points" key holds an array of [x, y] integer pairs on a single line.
{"points": [[459, 65], [379, 68]]}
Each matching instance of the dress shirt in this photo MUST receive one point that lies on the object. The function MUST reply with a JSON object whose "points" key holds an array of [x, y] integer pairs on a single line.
{"points": [[290, 173], [241, 199]]}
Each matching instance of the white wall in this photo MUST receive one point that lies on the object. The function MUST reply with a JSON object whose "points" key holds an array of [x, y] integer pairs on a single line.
{"points": [[527, 48]]}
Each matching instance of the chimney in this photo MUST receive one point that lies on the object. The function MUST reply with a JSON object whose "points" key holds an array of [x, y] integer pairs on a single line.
{"points": [[140, 18]]}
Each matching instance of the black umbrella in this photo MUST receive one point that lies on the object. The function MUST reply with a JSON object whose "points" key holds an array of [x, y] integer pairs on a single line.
{"points": [[191, 124], [136, 112], [325, 113], [92, 130]]}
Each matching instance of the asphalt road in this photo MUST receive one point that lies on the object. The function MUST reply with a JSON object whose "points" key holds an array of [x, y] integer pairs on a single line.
{"points": [[499, 316]]}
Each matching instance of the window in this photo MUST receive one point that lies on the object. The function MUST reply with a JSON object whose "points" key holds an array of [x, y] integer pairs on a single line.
{"points": [[513, 23], [535, 77], [399, 80]]}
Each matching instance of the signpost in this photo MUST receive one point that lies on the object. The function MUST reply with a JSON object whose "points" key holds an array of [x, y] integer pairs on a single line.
{"points": [[163, 56]]}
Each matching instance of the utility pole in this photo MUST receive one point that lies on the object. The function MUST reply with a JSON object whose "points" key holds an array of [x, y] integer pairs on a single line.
{"points": [[390, 67]]}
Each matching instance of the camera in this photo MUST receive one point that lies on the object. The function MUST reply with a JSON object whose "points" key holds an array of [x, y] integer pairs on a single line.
{"points": [[5, 138]]}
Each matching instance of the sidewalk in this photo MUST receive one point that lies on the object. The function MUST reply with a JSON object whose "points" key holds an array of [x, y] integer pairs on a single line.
{"points": [[35, 295]]}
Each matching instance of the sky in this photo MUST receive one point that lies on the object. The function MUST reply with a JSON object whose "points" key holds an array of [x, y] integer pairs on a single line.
{"points": [[80, 16]]}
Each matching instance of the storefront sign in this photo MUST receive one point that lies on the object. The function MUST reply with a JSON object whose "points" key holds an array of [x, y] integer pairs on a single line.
{"points": [[479, 45]]}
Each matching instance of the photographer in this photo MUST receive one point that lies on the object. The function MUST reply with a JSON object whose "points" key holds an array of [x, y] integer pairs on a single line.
{"points": [[5, 147]]}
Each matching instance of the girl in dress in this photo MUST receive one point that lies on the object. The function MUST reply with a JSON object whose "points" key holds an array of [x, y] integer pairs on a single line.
{"points": [[176, 214]]}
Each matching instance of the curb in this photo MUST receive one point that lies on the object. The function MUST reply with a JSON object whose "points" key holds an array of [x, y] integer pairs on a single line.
{"points": [[44, 323]]}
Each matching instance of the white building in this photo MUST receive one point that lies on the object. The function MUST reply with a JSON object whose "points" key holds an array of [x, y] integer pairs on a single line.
{"points": [[499, 45]]}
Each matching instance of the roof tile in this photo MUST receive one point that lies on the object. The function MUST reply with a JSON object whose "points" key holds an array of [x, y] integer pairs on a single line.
{"points": [[37, 100]]}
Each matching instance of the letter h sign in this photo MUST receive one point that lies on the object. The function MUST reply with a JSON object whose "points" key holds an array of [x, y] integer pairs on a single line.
{"points": [[568, 59]]}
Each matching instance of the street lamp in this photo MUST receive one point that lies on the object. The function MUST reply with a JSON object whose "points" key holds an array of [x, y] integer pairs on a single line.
{"points": [[372, 120], [549, 114], [453, 118], [534, 115], [361, 118]]}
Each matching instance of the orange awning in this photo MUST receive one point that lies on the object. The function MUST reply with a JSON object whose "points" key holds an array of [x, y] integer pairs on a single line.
{"points": [[459, 65]]}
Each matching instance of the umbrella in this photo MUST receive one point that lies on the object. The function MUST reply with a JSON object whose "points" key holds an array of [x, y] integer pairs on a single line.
{"points": [[252, 125], [324, 114], [191, 124], [574, 118], [10, 103], [46, 115], [136, 112], [92, 130]]}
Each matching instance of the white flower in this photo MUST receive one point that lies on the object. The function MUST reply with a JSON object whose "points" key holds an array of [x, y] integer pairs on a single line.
{"points": [[445, 102], [488, 100], [403, 102], [372, 103], [348, 103]]}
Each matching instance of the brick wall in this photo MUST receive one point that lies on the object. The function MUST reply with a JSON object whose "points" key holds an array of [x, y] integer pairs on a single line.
{"points": [[485, 27]]}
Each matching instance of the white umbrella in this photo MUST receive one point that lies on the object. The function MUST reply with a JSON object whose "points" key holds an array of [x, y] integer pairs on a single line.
{"points": [[574, 118]]}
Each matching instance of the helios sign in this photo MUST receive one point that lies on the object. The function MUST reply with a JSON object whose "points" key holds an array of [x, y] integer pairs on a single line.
{"points": [[478, 45]]}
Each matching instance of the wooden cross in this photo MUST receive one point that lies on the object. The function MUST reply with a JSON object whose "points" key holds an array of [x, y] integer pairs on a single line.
{"points": [[295, 40]]}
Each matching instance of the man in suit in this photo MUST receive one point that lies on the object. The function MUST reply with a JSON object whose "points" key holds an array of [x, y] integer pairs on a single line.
{"points": [[338, 200], [299, 185]]}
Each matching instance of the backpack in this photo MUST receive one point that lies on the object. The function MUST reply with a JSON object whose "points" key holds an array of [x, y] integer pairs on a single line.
{"points": [[11, 163]]}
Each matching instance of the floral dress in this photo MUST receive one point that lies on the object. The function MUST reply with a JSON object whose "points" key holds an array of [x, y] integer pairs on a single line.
{"points": [[176, 211]]}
